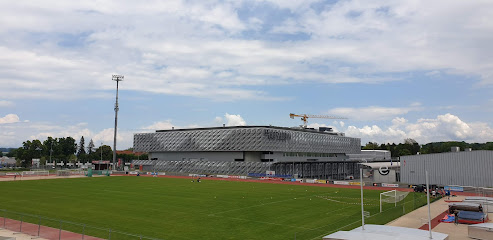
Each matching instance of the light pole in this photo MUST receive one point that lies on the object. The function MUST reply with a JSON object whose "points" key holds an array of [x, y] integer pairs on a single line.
{"points": [[101, 152], [51, 152], [116, 78]]}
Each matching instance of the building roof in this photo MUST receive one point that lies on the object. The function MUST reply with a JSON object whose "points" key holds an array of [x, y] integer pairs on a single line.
{"points": [[376, 165], [311, 130], [245, 138], [130, 152], [384, 232]]}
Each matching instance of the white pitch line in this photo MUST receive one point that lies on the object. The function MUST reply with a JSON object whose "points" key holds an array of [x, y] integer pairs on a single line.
{"points": [[258, 205]]}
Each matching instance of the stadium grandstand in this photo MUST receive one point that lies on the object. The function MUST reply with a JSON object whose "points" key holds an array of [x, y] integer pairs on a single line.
{"points": [[243, 150]]}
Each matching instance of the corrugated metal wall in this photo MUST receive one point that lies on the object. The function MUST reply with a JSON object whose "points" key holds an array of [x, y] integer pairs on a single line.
{"points": [[454, 168]]}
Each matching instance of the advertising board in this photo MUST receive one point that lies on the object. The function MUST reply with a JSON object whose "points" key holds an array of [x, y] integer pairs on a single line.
{"points": [[341, 182]]}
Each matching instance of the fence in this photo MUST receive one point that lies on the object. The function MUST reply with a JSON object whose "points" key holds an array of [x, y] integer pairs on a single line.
{"points": [[53, 229]]}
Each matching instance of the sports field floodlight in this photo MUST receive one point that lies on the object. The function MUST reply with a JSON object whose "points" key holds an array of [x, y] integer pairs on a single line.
{"points": [[116, 78]]}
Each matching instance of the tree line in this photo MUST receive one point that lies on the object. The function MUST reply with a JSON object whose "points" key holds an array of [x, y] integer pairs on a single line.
{"points": [[66, 150], [411, 147]]}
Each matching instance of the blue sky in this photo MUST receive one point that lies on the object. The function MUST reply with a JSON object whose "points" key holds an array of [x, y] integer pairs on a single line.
{"points": [[395, 69]]}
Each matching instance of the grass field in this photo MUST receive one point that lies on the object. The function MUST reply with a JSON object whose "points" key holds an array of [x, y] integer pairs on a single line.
{"points": [[172, 208]]}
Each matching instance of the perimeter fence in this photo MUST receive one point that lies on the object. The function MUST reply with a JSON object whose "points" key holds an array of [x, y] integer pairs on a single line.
{"points": [[53, 229]]}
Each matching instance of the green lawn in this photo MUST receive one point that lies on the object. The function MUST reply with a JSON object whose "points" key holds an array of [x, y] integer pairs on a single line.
{"points": [[168, 208]]}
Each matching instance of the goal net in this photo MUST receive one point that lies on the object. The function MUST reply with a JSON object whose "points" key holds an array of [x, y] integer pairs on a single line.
{"points": [[35, 173], [392, 196], [70, 172]]}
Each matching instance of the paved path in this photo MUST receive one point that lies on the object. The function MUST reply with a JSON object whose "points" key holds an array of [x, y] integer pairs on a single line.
{"points": [[13, 227], [419, 219], [17, 236]]}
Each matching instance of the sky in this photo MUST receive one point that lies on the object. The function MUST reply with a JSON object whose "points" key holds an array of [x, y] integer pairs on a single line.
{"points": [[395, 69]]}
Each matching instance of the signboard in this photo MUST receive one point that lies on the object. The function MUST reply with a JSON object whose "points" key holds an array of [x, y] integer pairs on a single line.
{"points": [[100, 162], [454, 188], [356, 183], [321, 181], [277, 135], [390, 185], [341, 182], [271, 173]]}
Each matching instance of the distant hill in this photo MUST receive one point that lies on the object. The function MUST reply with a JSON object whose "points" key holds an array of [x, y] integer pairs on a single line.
{"points": [[6, 149]]}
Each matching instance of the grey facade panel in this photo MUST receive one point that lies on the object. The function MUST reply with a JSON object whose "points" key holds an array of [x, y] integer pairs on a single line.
{"points": [[454, 168], [202, 156], [261, 138]]}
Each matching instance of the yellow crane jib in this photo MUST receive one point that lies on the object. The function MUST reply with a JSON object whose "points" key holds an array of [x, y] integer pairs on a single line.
{"points": [[304, 117]]}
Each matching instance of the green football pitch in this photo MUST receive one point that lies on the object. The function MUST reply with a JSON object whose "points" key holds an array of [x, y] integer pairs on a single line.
{"points": [[174, 208]]}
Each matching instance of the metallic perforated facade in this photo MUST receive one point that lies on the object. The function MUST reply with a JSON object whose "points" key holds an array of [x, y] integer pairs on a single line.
{"points": [[246, 138]]}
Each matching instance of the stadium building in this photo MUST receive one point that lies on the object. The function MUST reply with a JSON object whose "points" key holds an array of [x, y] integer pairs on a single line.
{"points": [[244, 150]]}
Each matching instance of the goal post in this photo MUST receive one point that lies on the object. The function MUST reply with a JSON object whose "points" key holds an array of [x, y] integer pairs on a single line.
{"points": [[392, 196], [35, 173]]}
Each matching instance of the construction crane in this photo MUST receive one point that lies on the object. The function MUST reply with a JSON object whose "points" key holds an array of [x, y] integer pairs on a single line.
{"points": [[304, 117]]}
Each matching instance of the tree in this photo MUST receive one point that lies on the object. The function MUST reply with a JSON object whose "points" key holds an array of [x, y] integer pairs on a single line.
{"points": [[371, 146], [81, 152], [48, 146], [11, 153], [90, 147], [107, 153], [28, 151]]}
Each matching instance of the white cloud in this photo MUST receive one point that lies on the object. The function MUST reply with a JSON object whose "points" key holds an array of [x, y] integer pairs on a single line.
{"points": [[9, 118], [232, 120], [447, 127], [371, 113], [5, 103], [160, 125], [205, 49]]}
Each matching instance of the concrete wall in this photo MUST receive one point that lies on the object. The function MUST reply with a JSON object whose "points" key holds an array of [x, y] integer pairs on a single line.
{"points": [[454, 168]]}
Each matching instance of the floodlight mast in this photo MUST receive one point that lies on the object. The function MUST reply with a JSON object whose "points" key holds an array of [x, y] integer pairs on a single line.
{"points": [[116, 78]]}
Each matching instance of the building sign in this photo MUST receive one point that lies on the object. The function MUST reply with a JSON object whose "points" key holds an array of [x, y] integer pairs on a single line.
{"points": [[390, 185], [277, 135], [383, 170]]}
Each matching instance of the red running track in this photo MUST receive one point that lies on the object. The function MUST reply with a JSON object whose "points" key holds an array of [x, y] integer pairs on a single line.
{"points": [[435, 221], [278, 182]]}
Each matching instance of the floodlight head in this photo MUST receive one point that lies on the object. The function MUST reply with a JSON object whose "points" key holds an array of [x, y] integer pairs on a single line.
{"points": [[117, 77]]}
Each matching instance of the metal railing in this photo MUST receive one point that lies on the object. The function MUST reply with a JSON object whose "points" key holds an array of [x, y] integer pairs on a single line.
{"points": [[53, 229]]}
